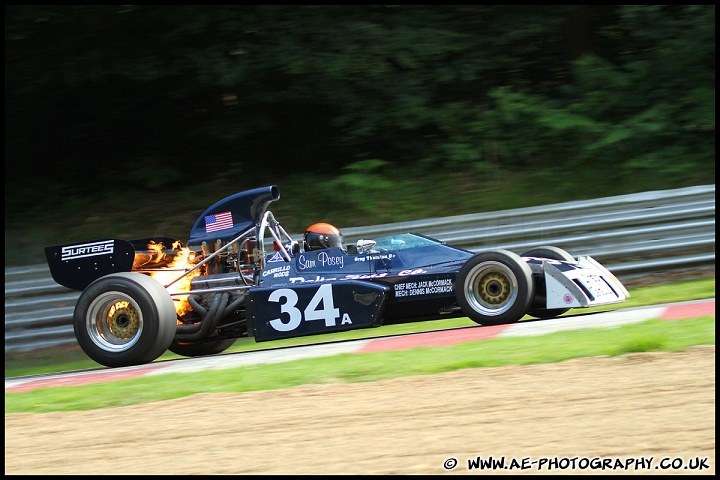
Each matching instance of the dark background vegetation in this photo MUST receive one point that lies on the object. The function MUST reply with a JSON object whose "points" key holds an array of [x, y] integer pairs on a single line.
{"points": [[129, 120]]}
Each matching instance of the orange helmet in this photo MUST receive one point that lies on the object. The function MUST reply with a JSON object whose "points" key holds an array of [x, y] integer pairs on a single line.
{"points": [[323, 235]]}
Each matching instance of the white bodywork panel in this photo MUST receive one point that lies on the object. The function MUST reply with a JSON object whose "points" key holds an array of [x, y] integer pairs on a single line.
{"points": [[588, 285]]}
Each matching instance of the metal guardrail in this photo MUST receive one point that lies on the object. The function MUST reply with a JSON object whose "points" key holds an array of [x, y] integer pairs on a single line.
{"points": [[632, 235]]}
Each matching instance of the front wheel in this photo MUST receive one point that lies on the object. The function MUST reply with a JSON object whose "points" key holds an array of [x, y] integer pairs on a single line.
{"points": [[495, 288], [202, 348], [124, 319]]}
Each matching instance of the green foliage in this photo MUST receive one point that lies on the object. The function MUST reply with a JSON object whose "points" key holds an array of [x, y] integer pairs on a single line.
{"points": [[377, 78], [146, 99], [363, 180]]}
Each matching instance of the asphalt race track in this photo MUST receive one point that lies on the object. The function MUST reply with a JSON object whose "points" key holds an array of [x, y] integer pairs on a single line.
{"points": [[437, 338]]}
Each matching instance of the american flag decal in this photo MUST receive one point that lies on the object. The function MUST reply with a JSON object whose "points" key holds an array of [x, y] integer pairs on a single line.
{"points": [[218, 221]]}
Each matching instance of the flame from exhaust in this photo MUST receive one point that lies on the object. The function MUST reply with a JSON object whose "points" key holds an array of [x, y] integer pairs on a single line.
{"points": [[183, 259]]}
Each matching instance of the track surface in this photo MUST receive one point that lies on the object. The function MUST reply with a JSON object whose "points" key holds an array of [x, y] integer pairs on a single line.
{"points": [[439, 338], [631, 414]]}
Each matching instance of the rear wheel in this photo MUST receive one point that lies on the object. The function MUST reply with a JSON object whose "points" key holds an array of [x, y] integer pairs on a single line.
{"points": [[202, 348], [553, 253], [124, 319], [495, 288]]}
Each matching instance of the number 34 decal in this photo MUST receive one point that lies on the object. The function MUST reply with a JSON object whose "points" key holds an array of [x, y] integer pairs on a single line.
{"points": [[288, 300]]}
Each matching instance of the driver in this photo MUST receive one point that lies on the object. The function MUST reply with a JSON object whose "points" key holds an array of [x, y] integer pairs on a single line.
{"points": [[322, 235]]}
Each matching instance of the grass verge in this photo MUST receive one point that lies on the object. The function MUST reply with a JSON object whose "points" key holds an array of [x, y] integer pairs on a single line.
{"points": [[653, 335]]}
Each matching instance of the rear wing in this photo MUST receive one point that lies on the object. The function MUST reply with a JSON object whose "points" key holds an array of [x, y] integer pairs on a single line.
{"points": [[77, 265]]}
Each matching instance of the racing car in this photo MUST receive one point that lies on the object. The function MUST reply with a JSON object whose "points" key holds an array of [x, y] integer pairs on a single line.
{"points": [[240, 274]]}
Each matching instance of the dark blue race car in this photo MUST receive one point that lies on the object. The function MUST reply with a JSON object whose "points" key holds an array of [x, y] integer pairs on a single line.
{"points": [[240, 274]]}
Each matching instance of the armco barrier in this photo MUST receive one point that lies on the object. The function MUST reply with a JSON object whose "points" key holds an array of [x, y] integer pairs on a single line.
{"points": [[633, 235]]}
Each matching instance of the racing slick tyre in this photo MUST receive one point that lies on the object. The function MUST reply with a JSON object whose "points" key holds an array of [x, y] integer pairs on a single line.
{"points": [[124, 319], [202, 348], [553, 253], [495, 288]]}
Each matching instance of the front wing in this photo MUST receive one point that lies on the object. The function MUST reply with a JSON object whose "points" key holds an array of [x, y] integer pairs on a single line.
{"points": [[588, 284]]}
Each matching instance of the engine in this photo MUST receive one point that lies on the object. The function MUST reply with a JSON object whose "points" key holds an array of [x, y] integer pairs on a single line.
{"points": [[216, 276]]}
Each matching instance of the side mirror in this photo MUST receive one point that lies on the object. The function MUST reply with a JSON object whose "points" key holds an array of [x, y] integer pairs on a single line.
{"points": [[294, 248], [364, 246]]}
